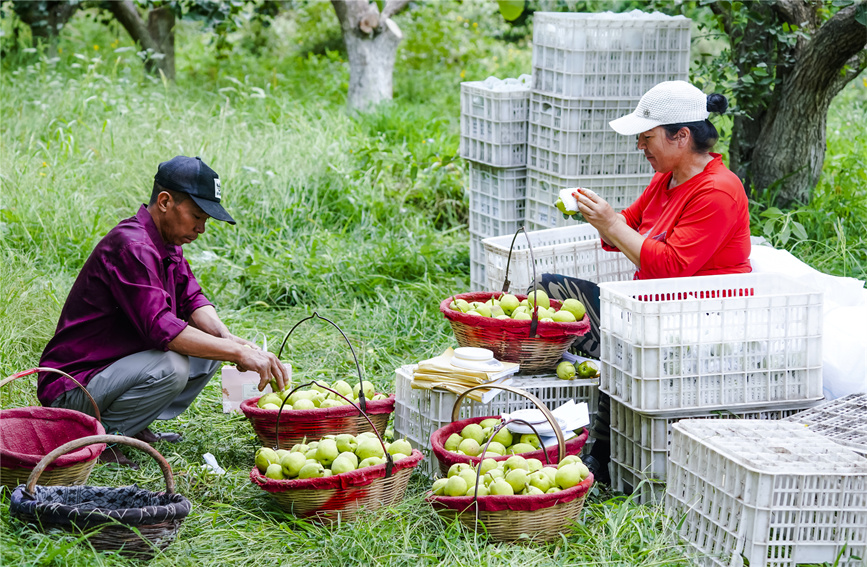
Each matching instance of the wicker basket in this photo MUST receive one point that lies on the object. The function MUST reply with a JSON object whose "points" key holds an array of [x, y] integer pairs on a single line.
{"points": [[340, 497], [28, 434], [448, 458], [294, 426], [540, 517], [129, 520]]}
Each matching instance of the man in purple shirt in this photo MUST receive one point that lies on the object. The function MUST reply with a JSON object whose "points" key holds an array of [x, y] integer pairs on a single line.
{"points": [[136, 329]]}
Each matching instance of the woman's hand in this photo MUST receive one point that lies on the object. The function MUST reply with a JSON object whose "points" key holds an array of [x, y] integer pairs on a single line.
{"points": [[596, 211]]}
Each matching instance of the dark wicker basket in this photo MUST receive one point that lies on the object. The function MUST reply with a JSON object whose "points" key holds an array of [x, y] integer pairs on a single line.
{"points": [[129, 520], [28, 434]]}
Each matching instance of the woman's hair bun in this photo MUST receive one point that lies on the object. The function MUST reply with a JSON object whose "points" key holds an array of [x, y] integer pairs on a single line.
{"points": [[717, 103]]}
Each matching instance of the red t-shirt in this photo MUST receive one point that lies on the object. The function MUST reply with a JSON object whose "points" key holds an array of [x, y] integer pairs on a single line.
{"points": [[699, 228]]}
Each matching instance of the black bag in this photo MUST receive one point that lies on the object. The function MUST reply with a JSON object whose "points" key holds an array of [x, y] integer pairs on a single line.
{"points": [[561, 287]]}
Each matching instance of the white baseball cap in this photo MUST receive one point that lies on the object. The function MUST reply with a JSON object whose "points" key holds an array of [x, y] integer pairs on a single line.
{"points": [[671, 102]]}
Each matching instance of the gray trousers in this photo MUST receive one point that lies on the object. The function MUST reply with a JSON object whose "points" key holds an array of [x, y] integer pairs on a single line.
{"points": [[142, 387]]}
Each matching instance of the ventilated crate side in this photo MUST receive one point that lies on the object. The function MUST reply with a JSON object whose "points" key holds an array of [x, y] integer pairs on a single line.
{"points": [[418, 413], [543, 189], [767, 493], [574, 251], [494, 124], [477, 263], [641, 442], [505, 183], [711, 342], [843, 420], [607, 55], [643, 488]]}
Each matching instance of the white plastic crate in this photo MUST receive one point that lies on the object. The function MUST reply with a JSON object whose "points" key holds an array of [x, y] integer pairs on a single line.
{"points": [[418, 413], [711, 342], [629, 481], [572, 138], [843, 420], [505, 183], [574, 251], [543, 189], [607, 55], [769, 493], [477, 263], [494, 121], [641, 442]]}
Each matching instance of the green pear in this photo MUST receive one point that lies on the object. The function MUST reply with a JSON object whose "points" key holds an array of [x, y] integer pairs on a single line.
{"points": [[532, 490], [535, 465], [504, 437], [494, 474], [460, 305], [552, 490], [521, 316], [456, 469], [474, 431], [351, 456], [469, 475], [471, 491], [281, 453], [496, 448], [568, 476], [369, 448], [588, 369], [270, 398], [274, 471], [453, 441], [552, 474], [568, 460], [531, 439], [519, 448], [346, 442], [539, 295], [292, 464], [455, 486], [275, 407], [575, 307], [487, 465], [401, 446], [368, 390], [470, 447], [483, 310], [299, 448], [320, 386], [329, 403], [490, 422], [265, 457], [501, 488], [516, 462], [497, 311], [565, 370], [342, 387], [564, 316], [520, 309], [304, 404], [509, 302], [342, 465], [540, 480], [438, 486], [311, 470], [327, 451], [517, 479]]}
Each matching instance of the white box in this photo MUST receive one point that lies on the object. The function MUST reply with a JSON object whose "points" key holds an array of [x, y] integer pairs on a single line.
{"points": [[844, 421], [711, 342], [494, 123], [766, 493]]}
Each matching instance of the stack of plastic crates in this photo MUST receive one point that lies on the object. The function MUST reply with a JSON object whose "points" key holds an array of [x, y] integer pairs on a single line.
{"points": [[494, 142], [418, 413], [770, 493], [589, 69], [745, 346]]}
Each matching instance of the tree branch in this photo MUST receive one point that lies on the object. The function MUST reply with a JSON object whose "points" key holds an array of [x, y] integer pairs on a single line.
{"points": [[126, 13], [725, 15], [393, 7]]}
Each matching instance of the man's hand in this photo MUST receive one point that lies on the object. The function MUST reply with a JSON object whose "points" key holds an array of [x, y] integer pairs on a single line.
{"points": [[266, 364]]}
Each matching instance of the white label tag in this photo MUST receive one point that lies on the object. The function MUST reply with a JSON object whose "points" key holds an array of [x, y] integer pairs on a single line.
{"points": [[217, 189]]}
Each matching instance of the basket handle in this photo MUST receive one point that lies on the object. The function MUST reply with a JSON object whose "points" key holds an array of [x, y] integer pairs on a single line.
{"points": [[534, 322], [561, 441], [92, 439], [389, 460], [23, 373], [361, 399], [497, 430]]}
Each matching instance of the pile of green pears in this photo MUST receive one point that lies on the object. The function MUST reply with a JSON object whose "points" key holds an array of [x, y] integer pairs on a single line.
{"points": [[514, 476], [318, 397], [472, 438], [508, 306], [333, 454]]}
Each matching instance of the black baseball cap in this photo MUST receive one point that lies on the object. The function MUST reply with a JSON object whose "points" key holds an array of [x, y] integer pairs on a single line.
{"points": [[193, 177]]}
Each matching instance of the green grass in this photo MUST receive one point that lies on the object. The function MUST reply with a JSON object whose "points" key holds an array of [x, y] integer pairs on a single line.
{"points": [[362, 220]]}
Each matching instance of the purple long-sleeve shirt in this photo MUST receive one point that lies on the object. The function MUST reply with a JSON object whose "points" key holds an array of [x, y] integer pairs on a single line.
{"points": [[134, 293]]}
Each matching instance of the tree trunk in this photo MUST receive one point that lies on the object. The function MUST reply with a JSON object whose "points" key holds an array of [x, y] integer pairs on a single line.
{"points": [[371, 41], [790, 150], [46, 18], [780, 142], [157, 36]]}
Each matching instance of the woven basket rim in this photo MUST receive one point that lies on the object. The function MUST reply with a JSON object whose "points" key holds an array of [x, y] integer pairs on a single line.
{"points": [[335, 482], [378, 407], [444, 455], [48, 418], [515, 503], [511, 326]]}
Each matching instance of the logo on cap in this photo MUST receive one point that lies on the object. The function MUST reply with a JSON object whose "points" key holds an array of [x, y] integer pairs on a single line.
{"points": [[217, 188], [646, 112]]}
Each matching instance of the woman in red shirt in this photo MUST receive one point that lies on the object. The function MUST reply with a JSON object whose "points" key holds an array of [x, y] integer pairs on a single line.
{"points": [[693, 218]]}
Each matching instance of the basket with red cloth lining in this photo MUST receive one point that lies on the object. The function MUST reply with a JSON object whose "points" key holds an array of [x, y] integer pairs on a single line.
{"points": [[537, 346], [448, 458], [297, 425], [541, 517], [340, 497], [30, 433]]}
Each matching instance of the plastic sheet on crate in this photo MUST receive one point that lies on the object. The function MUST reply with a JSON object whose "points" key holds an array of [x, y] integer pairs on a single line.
{"points": [[574, 251], [769, 493], [418, 413], [711, 342], [578, 55]]}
